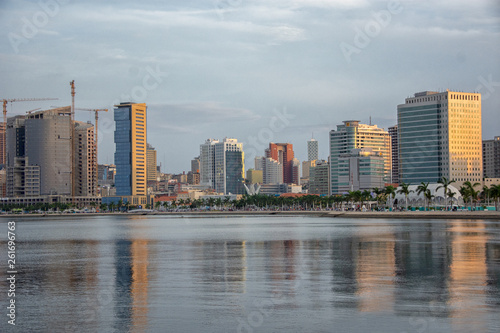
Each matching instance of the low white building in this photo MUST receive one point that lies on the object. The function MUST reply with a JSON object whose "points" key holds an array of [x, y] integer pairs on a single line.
{"points": [[415, 199]]}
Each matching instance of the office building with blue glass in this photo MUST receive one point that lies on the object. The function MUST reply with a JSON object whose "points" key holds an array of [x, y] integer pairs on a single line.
{"points": [[439, 135]]}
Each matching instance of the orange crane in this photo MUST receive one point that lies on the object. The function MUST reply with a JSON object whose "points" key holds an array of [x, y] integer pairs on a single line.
{"points": [[96, 119], [29, 112], [95, 129], [5, 101]]}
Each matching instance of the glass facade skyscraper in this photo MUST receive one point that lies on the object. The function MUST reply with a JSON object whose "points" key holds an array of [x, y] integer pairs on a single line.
{"points": [[222, 165], [439, 135], [130, 154]]}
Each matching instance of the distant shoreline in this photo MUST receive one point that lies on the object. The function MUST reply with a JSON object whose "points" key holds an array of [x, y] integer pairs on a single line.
{"points": [[429, 215]]}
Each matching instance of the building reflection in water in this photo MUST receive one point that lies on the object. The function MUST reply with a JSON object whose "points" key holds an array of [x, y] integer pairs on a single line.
{"points": [[132, 283], [282, 268], [374, 273], [468, 275], [222, 266], [123, 282], [430, 270], [422, 260]]}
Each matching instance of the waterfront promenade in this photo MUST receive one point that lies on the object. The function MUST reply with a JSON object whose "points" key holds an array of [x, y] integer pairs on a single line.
{"points": [[461, 215]]}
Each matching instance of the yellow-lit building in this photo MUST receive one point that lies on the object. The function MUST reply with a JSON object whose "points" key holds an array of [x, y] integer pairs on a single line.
{"points": [[255, 176], [151, 162], [439, 135], [130, 154]]}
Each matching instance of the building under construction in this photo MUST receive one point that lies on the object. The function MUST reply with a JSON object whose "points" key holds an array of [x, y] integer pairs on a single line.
{"points": [[44, 159]]}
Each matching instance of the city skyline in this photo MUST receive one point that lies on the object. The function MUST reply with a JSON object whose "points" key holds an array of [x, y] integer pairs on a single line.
{"points": [[228, 68]]}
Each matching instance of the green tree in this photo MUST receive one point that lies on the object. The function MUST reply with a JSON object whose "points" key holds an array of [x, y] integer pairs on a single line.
{"points": [[379, 194], [495, 195], [428, 195], [422, 188], [472, 193], [405, 190], [485, 195], [445, 183], [366, 195], [391, 192]]}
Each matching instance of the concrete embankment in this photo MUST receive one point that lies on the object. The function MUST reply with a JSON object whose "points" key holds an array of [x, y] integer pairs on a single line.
{"points": [[479, 215]]}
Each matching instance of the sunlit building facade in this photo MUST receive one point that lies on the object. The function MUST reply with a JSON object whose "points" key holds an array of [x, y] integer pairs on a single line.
{"points": [[353, 135], [222, 165], [439, 135], [130, 154]]}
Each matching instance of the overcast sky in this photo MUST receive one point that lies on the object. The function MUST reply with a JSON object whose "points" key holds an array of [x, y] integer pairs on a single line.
{"points": [[257, 71]]}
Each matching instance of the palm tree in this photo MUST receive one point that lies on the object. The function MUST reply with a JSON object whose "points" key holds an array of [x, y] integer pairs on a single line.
{"points": [[465, 192], [422, 188], [405, 190], [181, 202], [378, 194], [218, 202], [366, 195], [495, 194], [471, 192], [226, 201], [485, 194], [211, 202], [451, 195], [391, 192], [428, 195], [445, 183]]}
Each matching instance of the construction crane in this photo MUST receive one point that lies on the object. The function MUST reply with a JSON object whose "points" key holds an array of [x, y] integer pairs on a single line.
{"points": [[5, 101], [29, 112], [96, 121], [73, 164]]}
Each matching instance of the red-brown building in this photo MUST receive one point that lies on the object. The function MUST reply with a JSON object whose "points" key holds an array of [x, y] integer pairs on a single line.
{"points": [[283, 153]]}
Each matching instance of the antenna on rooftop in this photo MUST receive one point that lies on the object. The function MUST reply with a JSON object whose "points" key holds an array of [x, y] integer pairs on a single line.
{"points": [[370, 120]]}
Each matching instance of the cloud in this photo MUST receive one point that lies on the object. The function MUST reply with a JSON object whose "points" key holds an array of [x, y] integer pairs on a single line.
{"points": [[202, 113], [230, 63]]}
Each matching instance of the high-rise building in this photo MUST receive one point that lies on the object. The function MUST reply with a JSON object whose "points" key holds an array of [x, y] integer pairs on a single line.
{"points": [[207, 162], [491, 158], [393, 133], [130, 154], [295, 171], [193, 178], [361, 169], [23, 179], [306, 167], [272, 170], [255, 176], [319, 178], [3, 178], [312, 150], [85, 160], [353, 135], [151, 163], [222, 165], [195, 165], [40, 152], [439, 135], [283, 153]]}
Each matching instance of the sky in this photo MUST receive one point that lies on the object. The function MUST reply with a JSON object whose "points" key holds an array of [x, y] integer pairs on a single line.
{"points": [[258, 71]]}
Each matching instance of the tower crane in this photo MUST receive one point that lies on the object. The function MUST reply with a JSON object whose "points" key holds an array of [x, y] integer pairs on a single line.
{"points": [[29, 112], [96, 121], [12, 100]]}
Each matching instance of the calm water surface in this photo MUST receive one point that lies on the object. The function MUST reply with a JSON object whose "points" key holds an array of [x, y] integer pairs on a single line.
{"points": [[254, 274]]}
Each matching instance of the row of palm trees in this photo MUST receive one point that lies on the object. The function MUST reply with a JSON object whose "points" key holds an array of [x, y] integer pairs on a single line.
{"points": [[308, 202], [467, 190], [352, 198]]}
